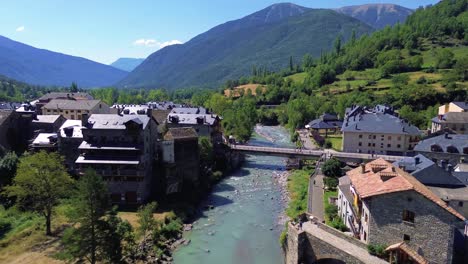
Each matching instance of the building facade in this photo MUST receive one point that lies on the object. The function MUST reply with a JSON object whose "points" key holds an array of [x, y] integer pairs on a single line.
{"points": [[378, 131], [120, 148], [392, 208], [75, 109]]}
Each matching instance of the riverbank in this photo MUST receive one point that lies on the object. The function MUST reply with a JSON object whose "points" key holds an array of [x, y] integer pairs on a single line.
{"points": [[241, 220]]}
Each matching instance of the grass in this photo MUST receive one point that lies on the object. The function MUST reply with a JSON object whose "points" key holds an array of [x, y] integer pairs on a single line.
{"points": [[337, 141], [298, 184], [252, 87], [298, 77], [326, 204]]}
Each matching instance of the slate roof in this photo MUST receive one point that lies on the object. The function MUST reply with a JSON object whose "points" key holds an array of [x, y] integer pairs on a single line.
{"points": [[320, 124], [49, 119], [44, 139], [377, 120], [180, 133], [381, 177], [132, 109], [63, 104], [452, 117], [189, 110], [191, 119], [75, 124], [64, 95], [160, 115], [448, 194], [462, 105], [459, 141], [163, 105], [114, 121]]}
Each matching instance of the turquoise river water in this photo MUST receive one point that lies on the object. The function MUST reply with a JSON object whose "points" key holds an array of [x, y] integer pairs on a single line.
{"points": [[246, 221]]}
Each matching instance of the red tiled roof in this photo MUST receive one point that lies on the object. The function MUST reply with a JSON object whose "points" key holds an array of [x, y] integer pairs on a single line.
{"points": [[381, 177]]}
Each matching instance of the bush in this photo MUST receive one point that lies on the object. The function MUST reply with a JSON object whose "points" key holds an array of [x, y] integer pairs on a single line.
{"points": [[330, 183], [421, 80], [283, 237], [332, 211], [332, 168], [328, 144], [318, 139], [337, 223], [377, 250], [216, 176]]}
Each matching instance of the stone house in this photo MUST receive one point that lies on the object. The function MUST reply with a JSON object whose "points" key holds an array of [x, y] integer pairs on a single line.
{"points": [[46, 98], [378, 131], [456, 107], [181, 160], [453, 116], [75, 109], [206, 124], [120, 148], [47, 123], [326, 123], [69, 140], [394, 209], [7, 129]]}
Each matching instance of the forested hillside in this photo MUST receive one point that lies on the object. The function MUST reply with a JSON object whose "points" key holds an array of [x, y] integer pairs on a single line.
{"points": [[268, 38], [43, 67]]}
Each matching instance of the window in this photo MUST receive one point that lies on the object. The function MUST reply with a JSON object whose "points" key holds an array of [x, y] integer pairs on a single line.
{"points": [[365, 236], [389, 145], [360, 136], [373, 144], [360, 144], [369, 144], [406, 238], [398, 146], [399, 138], [408, 216], [389, 137], [366, 217], [460, 204], [72, 117], [370, 136], [375, 137]]}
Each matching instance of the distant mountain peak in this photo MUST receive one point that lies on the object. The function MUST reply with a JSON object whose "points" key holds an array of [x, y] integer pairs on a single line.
{"points": [[127, 64], [277, 12], [377, 15]]}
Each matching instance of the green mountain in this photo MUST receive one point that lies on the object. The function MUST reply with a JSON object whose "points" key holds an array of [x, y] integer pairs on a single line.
{"points": [[127, 64], [43, 67], [267, 38], [377, 15]]}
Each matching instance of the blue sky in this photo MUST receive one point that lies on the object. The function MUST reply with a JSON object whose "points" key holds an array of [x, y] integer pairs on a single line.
{"points": [[104, 30]]}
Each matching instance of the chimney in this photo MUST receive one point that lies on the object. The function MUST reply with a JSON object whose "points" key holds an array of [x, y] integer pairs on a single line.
{"points": [[402, 167], [68, 131], [443, 164], [417, 160], [446, 135], [149, 112], [363, 168], [84, 120]]}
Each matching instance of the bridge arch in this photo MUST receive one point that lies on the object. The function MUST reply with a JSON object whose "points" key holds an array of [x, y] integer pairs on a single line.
{"points": [[329, 260]]}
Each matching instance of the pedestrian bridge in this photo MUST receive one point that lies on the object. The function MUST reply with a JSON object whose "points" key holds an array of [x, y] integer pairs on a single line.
{"points": [[293, 152]]}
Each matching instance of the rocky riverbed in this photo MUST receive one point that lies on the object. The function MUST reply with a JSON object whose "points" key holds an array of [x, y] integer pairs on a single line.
{"points": [[240, 221]]}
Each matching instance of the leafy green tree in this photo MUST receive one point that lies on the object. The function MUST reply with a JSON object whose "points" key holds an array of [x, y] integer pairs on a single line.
{"points": [[8, 165], [218, 103], [444, 58], [146, 220], [98, 233], [461, 68], [332, 168], [41, 181], [74, 87]]}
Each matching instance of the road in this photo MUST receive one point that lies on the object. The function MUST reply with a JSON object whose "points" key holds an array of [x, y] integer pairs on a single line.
{"points": [[315, 196]]}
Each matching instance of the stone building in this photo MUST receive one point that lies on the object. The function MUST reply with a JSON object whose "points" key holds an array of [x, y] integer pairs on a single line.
{"points": [[46, 98], [47, 123], [181, 159], [120, 148], [75, 109], [378, 131], [205, 123], [394, 209], [69, 139], [455, 121], [452, 148], [456, 107], [7, 129]]}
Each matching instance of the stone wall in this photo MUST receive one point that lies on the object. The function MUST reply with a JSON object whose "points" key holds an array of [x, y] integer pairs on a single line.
{"points": [[302, 247], [431, 234]]}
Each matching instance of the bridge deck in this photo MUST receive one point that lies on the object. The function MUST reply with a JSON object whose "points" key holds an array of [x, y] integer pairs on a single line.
{"points": [[311, 153]]}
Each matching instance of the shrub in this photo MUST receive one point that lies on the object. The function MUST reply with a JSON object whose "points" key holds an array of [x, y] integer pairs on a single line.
{"points": [[332, 211], [328, 144], [330, 183], [216, 176], [337, 223], [318, 139], [421, 80], [377, 250], [332, 168], [283, 237]]}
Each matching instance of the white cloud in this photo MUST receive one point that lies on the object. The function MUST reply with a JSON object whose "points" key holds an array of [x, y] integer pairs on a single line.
{"points": [[155, 43], [20, 29]]}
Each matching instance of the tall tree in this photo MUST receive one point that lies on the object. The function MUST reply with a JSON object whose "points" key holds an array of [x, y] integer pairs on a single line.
{"points": [[41, 181], [146, 220], [74, 87], [291, 63], [89, 239], [337, 45]]}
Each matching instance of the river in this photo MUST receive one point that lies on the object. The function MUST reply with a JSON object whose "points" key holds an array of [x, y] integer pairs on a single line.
{"points": [[246, 221]]}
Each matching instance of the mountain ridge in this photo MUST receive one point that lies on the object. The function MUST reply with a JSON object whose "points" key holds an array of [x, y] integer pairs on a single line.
{"points": [[127, 64], [38, 66], [377, 15]]}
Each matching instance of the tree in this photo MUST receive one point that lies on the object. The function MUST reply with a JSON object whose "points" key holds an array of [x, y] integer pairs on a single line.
{"points": [[444, 58], [332, 168], [74, 87], [41, 181], [461, 68], [146, 219], [8, 165], [353, 38], [337, 45], [96, 235], [291, 64]]}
